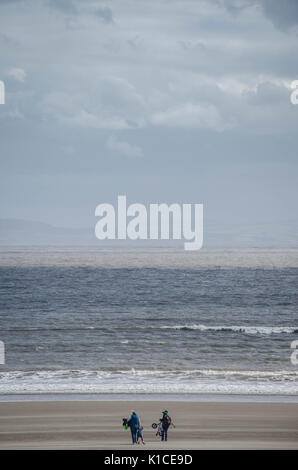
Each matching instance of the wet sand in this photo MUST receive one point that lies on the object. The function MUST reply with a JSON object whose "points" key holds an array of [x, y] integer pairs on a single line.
{"points": [[98, 425]]}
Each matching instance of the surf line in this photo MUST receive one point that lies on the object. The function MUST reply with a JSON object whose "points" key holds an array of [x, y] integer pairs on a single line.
{"points": [[162, 222], [2, 353]]}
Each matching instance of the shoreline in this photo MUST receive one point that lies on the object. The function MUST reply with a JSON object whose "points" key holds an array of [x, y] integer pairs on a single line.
{"points": [[98, 425], [153, 397]]}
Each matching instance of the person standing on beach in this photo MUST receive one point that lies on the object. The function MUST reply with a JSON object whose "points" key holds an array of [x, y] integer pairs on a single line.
{"points": [[165, 424], [134, 424]]}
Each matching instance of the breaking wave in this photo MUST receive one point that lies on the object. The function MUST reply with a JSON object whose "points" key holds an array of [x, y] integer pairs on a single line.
{"points": [[252, 330], [194, 381]]}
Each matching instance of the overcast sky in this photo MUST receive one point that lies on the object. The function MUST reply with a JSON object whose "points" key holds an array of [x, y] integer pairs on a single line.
{"points": [[164, 101]]}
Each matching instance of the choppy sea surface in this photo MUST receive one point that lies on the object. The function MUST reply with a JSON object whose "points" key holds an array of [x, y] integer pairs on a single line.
{"points": [[95, 321]]}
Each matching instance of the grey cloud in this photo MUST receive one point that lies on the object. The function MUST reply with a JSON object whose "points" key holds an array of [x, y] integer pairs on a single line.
{"points": [[282, 13], [192, 116], [66, 6], [5, 2], [135, 42], [7, 40], [105, 14], [113, 103], [73, 7], [235, 6], [124, 148], [192, 45], [17, 73], [267, 94], [74, 110]]}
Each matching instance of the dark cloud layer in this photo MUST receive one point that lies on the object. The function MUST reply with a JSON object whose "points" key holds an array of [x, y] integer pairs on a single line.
{"points": [[282, 13]]}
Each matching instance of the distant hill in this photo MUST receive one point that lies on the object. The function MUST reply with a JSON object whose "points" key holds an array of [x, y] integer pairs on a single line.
{"points": [[28, 232], [252, 235]]}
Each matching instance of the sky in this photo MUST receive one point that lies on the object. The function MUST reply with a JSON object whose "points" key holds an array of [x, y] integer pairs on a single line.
{"points": [[162, 101]]}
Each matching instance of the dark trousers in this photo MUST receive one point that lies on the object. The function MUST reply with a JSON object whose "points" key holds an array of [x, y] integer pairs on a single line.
{"points": [[164, 434], [134, 432]]}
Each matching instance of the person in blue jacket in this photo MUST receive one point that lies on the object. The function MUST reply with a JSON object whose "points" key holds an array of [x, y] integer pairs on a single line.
{"points": [[134, 424]]}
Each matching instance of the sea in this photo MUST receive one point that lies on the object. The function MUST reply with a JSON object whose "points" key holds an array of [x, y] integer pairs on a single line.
{"points": [[148, 322]]}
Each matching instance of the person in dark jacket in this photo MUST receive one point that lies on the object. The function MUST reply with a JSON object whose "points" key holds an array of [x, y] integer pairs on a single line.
{"points": [[134, 424], [165, 424]]}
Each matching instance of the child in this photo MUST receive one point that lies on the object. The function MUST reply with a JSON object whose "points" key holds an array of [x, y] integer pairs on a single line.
{"points": [[140, 435]]}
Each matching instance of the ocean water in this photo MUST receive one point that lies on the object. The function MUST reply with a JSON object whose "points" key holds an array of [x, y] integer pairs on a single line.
{"points": [[94, 321]]}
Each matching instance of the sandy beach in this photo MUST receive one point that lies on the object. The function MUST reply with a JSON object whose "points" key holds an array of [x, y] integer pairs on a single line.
{"points": [[97, 425]]}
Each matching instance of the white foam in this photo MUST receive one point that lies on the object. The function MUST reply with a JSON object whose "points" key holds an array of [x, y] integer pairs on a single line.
{"points": [[252, 330], [279, 382]]}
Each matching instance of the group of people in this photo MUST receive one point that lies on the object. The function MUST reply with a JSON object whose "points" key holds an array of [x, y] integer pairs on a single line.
{"points": [[136, 428]]}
